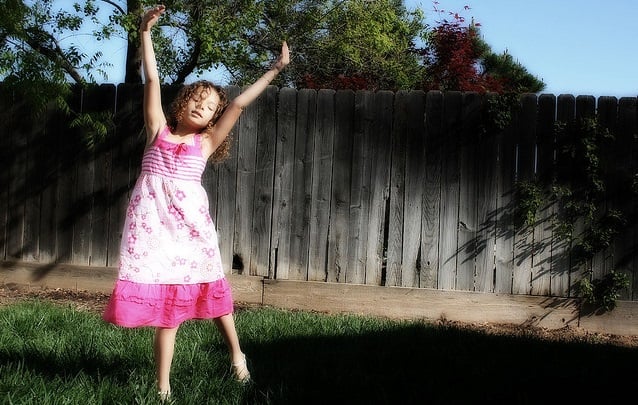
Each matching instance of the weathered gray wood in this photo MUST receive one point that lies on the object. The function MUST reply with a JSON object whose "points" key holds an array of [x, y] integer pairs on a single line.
{"points": [[84, 165], [625, 248], [246, 167], [422, 303], [607, 116], [324, 138], [48, 160], [379, 186], [302, 165], [431, 223], [6, 104], [283, 184], [68, 211], [468, 225], [227, 194], [345, 180], [126, 155], [585, 108], [33, 183], [101, 99], [486, 208], [414, 184], [364, 111], [542, 238], [560, 274], [523, 242], [448, 258], [16, 184], [397, 191], [339, 232], [504, 266], [264, 172]]}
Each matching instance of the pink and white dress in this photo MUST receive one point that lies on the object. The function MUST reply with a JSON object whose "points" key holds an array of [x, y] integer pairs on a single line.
{"points": [[170, 267]]}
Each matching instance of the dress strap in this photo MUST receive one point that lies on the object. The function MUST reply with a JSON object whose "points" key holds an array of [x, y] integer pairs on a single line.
{"points": [[198, 140]]}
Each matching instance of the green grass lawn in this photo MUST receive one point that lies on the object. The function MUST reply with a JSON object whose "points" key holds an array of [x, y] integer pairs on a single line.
{"points": [[51, 354]]}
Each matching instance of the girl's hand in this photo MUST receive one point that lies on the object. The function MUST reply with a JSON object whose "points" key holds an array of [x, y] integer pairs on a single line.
{"points": [[151, 16], [284, 57]]}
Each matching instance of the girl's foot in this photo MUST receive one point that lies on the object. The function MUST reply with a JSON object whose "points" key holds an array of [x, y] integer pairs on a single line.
{"points": [[164, 396], [240, 370]]}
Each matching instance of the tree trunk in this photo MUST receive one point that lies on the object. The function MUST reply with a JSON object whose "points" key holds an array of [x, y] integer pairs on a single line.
{"points": [[133, 56]]}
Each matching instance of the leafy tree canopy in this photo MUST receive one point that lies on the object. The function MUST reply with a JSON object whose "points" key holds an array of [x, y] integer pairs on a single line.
{"points": [[354, 44]]}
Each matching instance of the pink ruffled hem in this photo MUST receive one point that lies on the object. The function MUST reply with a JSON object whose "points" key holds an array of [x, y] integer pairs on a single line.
{"points": [[167, 305]]}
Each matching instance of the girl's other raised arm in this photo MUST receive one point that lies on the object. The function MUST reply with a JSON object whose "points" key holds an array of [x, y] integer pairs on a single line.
{"points": [[226, 122], [154, 117]]}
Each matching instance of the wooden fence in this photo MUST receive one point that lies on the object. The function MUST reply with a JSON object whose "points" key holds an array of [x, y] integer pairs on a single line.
{"points": [[377, 188]]}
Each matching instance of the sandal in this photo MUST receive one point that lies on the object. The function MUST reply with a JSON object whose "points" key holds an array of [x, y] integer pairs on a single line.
{"points": [[164, 396], [240, 370]]}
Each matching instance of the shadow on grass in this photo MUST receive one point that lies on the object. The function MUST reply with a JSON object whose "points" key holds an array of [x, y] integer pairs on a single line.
{"points": [[297, 360], [425, 365]]}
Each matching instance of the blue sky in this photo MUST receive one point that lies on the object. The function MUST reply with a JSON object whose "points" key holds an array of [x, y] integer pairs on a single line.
{"points": [[580, 47]]}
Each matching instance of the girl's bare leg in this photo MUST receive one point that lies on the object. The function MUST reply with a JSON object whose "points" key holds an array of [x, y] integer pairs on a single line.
{"points": [[163, 348], [226, 325]]}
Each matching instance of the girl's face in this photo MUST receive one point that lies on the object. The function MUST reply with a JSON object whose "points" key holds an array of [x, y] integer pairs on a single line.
{"points": [[201, 108]]}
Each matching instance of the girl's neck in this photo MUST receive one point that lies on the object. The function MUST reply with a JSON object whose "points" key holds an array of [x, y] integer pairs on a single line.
{"points": [[183, 132]]}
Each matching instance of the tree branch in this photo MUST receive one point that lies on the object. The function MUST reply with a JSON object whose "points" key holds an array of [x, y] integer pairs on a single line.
{"points": [[54, 53], [190, 65], [115, 5]]}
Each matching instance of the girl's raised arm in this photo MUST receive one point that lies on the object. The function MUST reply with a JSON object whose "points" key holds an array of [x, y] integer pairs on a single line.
{"points": [[154, 117], [225, 124]]}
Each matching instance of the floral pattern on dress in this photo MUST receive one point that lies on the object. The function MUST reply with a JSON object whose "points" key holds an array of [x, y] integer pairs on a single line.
{"points": [[169, 236]]}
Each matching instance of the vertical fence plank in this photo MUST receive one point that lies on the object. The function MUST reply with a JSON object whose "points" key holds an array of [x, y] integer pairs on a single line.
{"points": [[227, 194], [34, 182], [360, 187], [128, 134], [560, 274], [6, 155], [301, 162], [542, 248], [324, 139], [523, 244], [585, 108], [397, 190], [414, 188], [285, 163], [83, 198], [607, 115], [486, 206], [625, 251], [505, 202], [101, 99], [264, 172], [246, 166], [430, 228], [68, 157], [468, 223], [16, 184], [50, 178], [448, 258], [338, 234], [380, 186]]}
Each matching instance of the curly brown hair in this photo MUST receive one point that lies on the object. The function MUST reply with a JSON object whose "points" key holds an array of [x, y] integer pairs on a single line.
{"points": [[197, 90]]}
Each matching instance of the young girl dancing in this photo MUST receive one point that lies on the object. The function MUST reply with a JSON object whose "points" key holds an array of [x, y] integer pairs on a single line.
{"points": [[170, 266]]}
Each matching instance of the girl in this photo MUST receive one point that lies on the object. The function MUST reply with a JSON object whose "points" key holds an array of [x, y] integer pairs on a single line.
{"points": [[170, 267]]}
